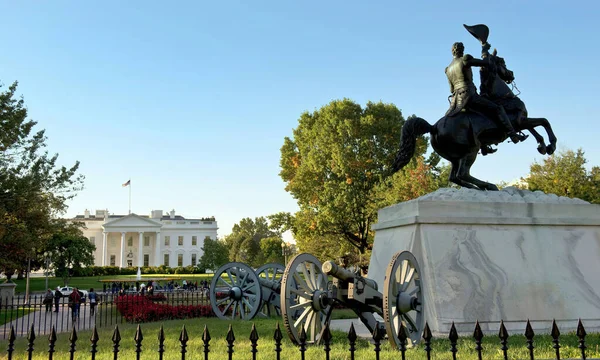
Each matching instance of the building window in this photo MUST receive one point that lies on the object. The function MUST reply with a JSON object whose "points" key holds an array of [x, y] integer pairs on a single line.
{"points": [[146, 240], [130, 241], [166, 260], [113, 260], [167, 240], [93, 240], [193, 259], [129, 263], [146, 259], [179, 259], [180, 240], [194, 240]]}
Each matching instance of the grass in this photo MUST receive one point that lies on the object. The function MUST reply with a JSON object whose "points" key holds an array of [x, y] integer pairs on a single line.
{"points": [[5, 316], [265, 327], [38, 284]]}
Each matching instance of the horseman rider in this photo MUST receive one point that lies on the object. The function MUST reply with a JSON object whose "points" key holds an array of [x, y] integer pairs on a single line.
{"points": [[465, 96]]}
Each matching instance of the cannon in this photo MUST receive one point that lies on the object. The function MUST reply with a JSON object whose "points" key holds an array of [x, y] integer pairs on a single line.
{"points": [[239, 292], [310, 290]]}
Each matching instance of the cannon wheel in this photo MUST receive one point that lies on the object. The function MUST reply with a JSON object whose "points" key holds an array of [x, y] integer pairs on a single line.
{"points": [[271, 299], [239, 292], [304, 301], [403, 299]]}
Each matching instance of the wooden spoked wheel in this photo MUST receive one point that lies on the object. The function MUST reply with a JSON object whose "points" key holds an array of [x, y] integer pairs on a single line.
{"points": [[270, 277], [235, 292], [403, 299]]}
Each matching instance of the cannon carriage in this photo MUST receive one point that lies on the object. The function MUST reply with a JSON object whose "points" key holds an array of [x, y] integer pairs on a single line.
{"points": [[310, 290], [239, 292]]}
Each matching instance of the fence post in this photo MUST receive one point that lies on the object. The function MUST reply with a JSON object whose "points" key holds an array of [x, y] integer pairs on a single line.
{"points": [[377, 336], [73, 341], [94, 340], [30, 341], [403, 339], [138, 341], [555, 334], [478, 335], [206, 340], [427, 337], [116, 338], [503, 335], [529, 334], [11, 342], [230, 339], [253, 341], [352, 339], [51, 342], [161, 342], [302, 343], [453, 339], [277, 336], [183, 339], [581, 335]]}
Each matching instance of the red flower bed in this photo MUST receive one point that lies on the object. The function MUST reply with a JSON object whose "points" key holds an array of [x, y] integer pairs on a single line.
{"points": [[137, 308], [156, 297]]}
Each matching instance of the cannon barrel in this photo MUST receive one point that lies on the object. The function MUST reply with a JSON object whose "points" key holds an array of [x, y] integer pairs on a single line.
{"points": [[333, 269]]}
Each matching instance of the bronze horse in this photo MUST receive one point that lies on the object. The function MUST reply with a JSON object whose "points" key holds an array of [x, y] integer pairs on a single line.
{"points": [[458, 138]]}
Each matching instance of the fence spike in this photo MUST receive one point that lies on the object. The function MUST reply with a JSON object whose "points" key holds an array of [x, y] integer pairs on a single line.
{"points": [[581, 335], [302, 339], [427, 337], [51, 342], [529, 334], [183, 339], [94, 340], [73, 342], [161, 342], [403, 339], [206, 340], [326, 340], [230, 339], [503, 335], [478, 336], [30, 340], [377, 336], [11, 341], [277, 336], [138, 338], [253, 341], [453, 339], [555, 335], [116, 339], [352, 339]]}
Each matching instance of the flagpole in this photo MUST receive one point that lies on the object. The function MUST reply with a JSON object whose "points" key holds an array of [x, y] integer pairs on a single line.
{"points": [[129, 195]]}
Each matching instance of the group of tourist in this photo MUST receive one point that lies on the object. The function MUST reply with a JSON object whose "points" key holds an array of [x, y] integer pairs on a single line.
{"points": [[75, 299]]}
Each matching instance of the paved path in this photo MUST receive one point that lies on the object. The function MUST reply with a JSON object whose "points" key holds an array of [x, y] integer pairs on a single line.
{"points": [[43, 321], [344, 325]]}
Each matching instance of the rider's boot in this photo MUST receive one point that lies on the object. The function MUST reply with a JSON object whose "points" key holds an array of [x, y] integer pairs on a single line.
{"points": [[487, 149], [512, 134]]}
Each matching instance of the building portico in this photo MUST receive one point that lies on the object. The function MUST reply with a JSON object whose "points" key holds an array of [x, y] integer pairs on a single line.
{"points": [[132, 231]]}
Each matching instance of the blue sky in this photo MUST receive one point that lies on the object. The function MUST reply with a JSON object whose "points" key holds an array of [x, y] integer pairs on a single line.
{"points": [[192, 100]]}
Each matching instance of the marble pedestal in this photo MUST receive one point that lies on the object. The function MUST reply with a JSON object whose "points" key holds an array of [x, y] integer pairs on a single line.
{"points": [[510, 255]]}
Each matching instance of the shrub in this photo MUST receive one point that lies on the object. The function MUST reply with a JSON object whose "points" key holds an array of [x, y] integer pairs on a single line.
{"points": [[138, 308]]}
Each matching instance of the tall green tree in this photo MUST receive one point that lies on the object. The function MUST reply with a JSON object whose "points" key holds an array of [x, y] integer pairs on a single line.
{"points": [[335, 166], [565, 174], [34, 189], [215, 254], [70, 252], [244, 242]]}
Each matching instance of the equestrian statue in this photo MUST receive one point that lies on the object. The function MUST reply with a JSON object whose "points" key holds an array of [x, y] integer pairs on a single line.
{"points": [[475, 121]]}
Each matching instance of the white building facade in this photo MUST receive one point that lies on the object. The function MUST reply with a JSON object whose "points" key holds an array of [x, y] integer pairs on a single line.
{"points": [[138, 240]]}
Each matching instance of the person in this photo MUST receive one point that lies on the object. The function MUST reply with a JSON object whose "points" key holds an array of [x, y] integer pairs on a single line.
{"points": [[57, 296], [93, 301], [75, 303], [464, 92], [48, 300]]}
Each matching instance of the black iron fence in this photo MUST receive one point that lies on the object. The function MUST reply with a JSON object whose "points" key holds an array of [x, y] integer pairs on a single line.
{"points": [[302, 348], [110, 309]]}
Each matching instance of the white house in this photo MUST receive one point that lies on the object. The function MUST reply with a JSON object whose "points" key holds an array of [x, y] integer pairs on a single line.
{"points": [[139, 240]]}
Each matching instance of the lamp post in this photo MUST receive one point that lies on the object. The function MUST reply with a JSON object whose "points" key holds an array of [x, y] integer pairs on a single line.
{"points": [[284, 252], [47, 258]]}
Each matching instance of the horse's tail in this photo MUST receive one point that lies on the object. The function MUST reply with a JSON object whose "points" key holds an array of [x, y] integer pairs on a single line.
{"points": [[412, 128]]}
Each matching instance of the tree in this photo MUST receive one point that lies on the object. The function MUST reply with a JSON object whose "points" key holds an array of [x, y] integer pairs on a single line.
{"points": [[216, 254], [335, 166], [565, 174], [34, 189], [244, 242], [70, 252]]}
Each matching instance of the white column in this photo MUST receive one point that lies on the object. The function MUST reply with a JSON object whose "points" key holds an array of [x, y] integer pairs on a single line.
{"points": [[122, 261], [157, 250], [140, 249], [104, 248]]}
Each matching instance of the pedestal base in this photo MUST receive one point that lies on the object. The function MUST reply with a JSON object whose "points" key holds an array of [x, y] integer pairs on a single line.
{"points": [[510, 255]]}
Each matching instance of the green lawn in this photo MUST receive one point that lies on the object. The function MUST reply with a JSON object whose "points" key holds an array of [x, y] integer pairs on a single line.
{"points": [[38, 284], [266, 327], [5, 316]]}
